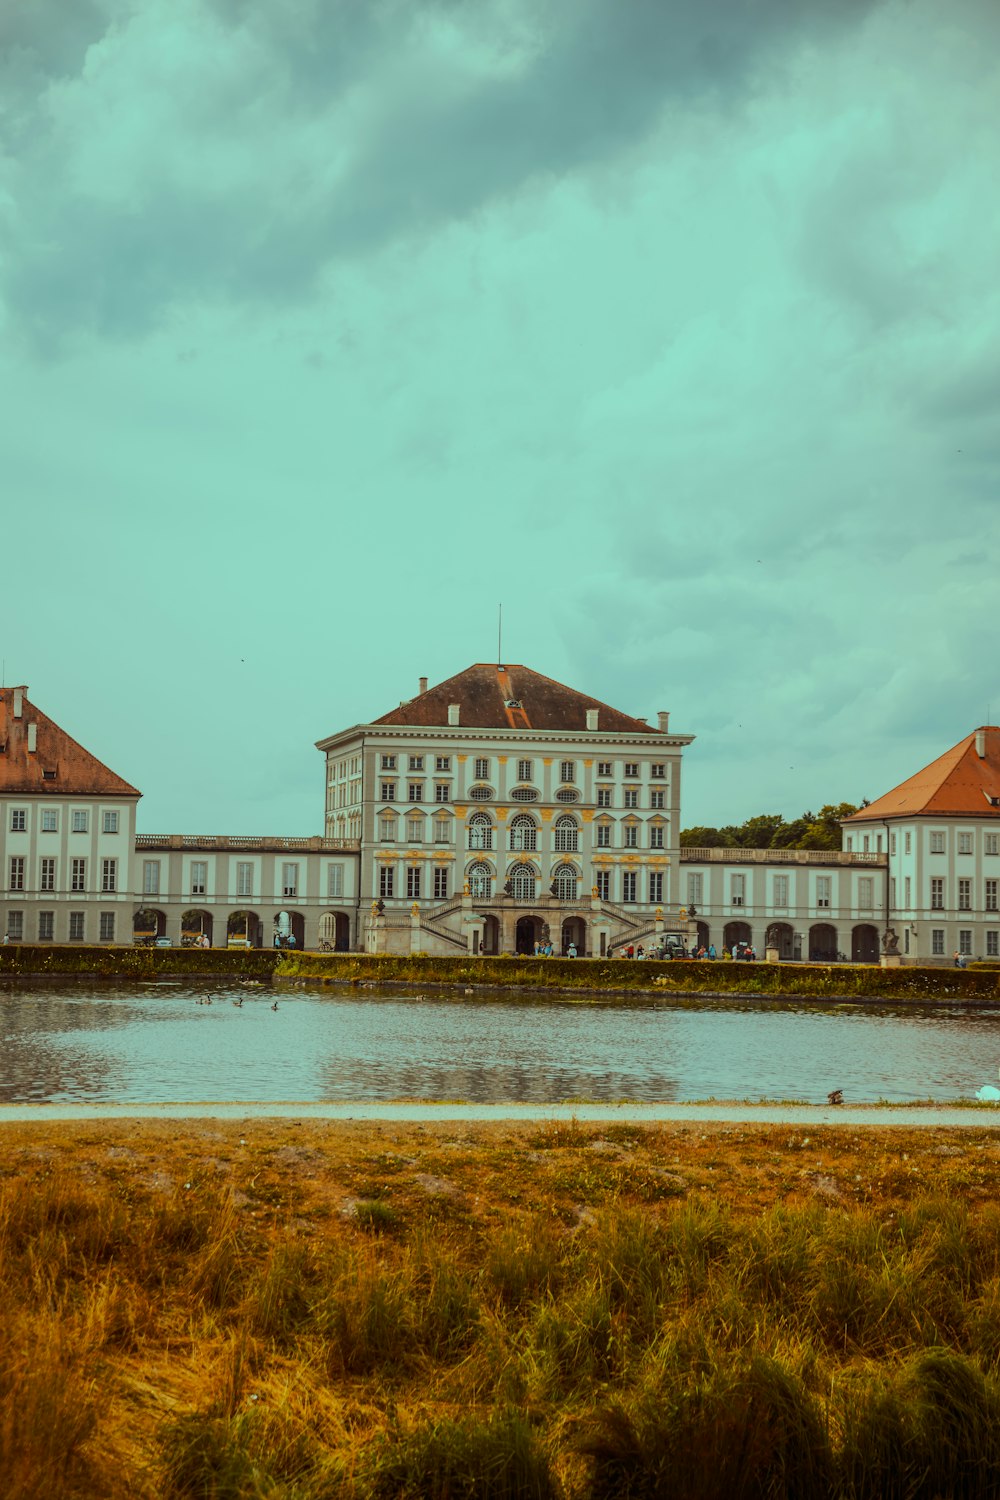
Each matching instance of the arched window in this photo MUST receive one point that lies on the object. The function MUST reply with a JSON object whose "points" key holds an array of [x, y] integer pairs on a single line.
{"points": [[480, 832], [522, 882], [566, 837], [564, 883], [523, 833], [480, 879]]}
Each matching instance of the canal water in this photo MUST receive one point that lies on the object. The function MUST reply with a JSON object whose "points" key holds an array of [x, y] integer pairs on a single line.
{"points": [[163, 1043]]}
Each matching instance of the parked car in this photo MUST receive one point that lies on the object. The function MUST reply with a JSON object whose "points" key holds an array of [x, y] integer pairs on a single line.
{"points": [[163, 942]]}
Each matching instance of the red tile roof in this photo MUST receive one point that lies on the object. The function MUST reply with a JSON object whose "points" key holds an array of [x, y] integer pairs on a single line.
{"points": [[485, 693], [959, 783], [57, 767]]}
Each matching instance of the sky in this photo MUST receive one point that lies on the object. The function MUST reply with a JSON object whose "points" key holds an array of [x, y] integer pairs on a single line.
{"points": [[328, 326]]}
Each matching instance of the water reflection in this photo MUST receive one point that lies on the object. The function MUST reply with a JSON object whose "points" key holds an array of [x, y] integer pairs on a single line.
{"points": [[158, 1044]]}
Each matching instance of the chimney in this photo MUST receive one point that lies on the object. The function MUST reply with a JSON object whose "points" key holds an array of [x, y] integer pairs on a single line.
{"points": [[981, 743], [423, 684], [32, 738], [592, 718], [663, 721], [453, 711], [19, 701]]}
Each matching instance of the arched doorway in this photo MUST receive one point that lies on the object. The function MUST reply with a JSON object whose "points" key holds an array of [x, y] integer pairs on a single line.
{"points": [[491, 935], [289, 929], [334, 932], [574, 930], [864, 944], [527, 933], [823, 943], [781, 936], [147, 925], [196, 928], [735, 932], [703, 937], [243, 930]]}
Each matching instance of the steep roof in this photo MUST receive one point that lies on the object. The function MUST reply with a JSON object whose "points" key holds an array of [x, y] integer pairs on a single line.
{"points": [[57, 766], [960, 783], [486, 694]]}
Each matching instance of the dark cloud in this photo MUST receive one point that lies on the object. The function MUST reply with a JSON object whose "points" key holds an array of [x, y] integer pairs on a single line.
{"points": [[436, 139]]}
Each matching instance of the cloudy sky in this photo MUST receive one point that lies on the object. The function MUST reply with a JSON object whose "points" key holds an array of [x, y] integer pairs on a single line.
{"points": [[327, 326]]}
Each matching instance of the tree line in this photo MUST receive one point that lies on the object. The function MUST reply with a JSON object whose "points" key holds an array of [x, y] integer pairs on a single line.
{"points": [[770, 831]]}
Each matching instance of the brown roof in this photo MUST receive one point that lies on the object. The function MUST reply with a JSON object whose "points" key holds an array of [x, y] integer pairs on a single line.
{"points": [[959, 783], [486, 692], [57, 766]]}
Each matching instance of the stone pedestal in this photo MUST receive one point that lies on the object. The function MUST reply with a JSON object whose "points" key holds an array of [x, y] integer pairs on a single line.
{"points": [[772, 956], [891, 960]]}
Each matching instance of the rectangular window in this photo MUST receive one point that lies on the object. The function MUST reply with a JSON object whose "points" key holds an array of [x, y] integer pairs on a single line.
{"points": [[694, 889], [244, 878], [629, 880], [81, 820], [631, 768], [107, 928], [656, 797], [46, 926], [965, 895], [150, 877], [442, 763], [47, 875], [604, 796], [50, 820], [415, 831], [416, 791], [907, 889], [603, 881], [631, 836], [965, 941], [77, 929], [991, 843], [440, 885], [990, 896], [334, 882], [110, 825], [18, 819], [656, 885], [15, 926], [781, 891], [658, 770], [993, 944], [388, 791], [416, 763], [604, 835], [892, 844], [289, 880], [442, 792], [387, 830], [78, 875], [866, 886], [937, 842], [892, 891], [737, 889], [937, 893], [385, 880], [850, 844], [965, 844], [16, 880], [823, 890], [567, 770], [442, 831], [199, 876], [866, 844], [388, 762], [656, 836], [907, 843], [413, 882], [604, 768], [631, 796], [937, 940], [482, 770], [109, 874], [524, 770]]}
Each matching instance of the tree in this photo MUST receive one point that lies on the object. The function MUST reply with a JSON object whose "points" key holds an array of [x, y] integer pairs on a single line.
{"points": [[770, 831]]}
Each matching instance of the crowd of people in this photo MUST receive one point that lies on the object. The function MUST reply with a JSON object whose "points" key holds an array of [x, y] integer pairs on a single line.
{"points": [[740, 952]]}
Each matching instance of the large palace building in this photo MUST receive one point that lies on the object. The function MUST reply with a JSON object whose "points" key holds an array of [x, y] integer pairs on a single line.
{"points": [[494, 811]]}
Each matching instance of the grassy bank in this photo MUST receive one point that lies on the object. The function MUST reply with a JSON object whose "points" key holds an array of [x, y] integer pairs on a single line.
{"points": [[586, 978], [315, 1311]]}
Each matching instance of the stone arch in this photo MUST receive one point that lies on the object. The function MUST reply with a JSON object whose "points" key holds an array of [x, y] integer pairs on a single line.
{"points": [[823, 943], [865, 944], [780, 935]]}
